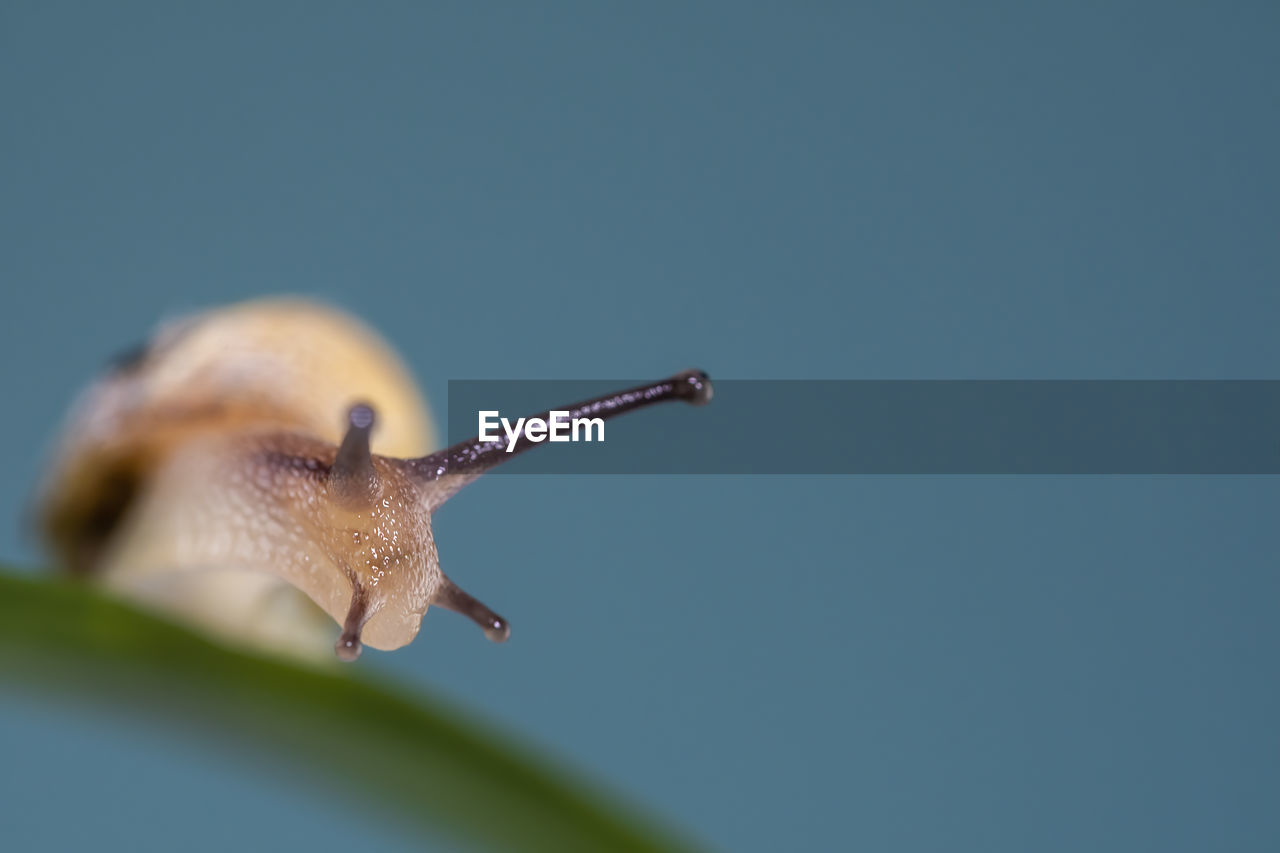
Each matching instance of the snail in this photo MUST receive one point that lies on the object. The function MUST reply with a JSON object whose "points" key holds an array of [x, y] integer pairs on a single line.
{"points": [[263, 471]]}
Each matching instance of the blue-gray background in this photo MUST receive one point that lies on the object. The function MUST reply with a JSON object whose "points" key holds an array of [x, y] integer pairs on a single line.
{"points": [[928, 190]]}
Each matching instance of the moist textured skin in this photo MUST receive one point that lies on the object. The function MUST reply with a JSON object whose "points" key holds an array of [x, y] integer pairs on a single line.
{"points": [[262, 501], [162, 473], [260, 470]]}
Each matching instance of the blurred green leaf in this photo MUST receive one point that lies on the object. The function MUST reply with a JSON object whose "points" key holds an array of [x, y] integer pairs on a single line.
{"points": [[403, 757]]}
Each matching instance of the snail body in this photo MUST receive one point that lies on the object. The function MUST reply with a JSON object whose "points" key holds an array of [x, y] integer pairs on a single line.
{"points": [[263, 471]]}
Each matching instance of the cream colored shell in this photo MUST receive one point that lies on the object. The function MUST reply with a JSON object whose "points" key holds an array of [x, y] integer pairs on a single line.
{"points": [[213, 528]]}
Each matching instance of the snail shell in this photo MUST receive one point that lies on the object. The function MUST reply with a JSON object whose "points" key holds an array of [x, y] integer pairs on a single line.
{"points": [[259, 469]]}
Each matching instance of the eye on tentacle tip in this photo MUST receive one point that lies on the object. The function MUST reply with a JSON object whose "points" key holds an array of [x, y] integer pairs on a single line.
{"points": [[497, 629], [694, 387], [348, 647], [361, 416]]}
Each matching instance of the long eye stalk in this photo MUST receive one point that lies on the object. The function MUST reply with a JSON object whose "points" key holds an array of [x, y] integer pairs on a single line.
{"points": [[354, 482], [458, 465], [352, 476]]}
